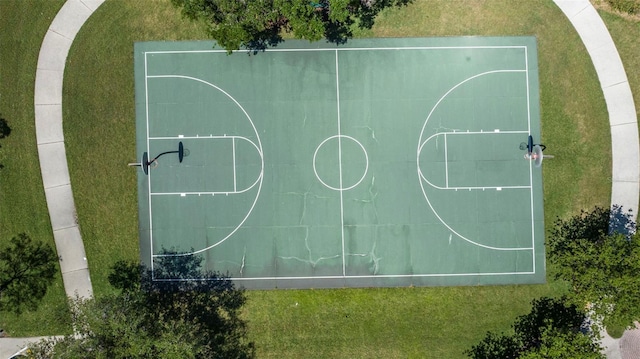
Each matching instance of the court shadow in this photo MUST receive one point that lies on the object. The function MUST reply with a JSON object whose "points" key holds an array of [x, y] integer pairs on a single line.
{"points": [[263, 42]]}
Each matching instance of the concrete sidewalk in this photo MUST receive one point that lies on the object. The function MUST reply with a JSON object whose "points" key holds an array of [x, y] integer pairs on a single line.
{"points": [[50, 140]]}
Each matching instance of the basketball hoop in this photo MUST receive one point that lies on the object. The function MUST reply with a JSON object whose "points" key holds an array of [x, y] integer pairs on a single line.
{"points": [[146, 164], [534, 152]]}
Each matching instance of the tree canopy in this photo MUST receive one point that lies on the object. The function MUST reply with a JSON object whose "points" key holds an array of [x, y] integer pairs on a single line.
{"points": [[149, 318], [27, 268], [552, 328], [258, 24], [598, 254]]}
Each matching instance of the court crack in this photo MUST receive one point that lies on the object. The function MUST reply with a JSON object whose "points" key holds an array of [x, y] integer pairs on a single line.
{"points": [[373, 133], [305, 198], [374, 260], [373, 194], [442, 129], [313, 263]]}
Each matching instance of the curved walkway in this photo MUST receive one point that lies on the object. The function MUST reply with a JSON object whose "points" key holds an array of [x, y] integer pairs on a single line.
{"points": [[50, 139], [55, 173], [617, 94]]}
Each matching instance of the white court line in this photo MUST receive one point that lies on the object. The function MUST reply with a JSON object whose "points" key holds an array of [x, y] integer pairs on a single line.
{"points": [[348, 277], [462, 133], [199, 137], [533, 230], [235, 184], [340, 154], [146, 96], [344, 261], [526, 68], [475, 188], [467, 133], [206, 193], [446, 163], [209, 137], [348, 49], [388, 276], [362, 276]]}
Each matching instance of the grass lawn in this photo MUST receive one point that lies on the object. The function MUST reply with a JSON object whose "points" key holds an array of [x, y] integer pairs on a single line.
{"points": [[22, 202], [625, 33], [99, 125]]}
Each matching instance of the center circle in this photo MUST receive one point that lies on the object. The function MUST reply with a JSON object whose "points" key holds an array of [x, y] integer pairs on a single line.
{"points": [[338, 162]]}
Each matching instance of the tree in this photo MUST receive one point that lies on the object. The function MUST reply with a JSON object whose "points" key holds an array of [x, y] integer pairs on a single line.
{"points": [[559, 345], [27, 268], [553, 326], [150, 318], [598, 253], [258, 24], [496, 346]]}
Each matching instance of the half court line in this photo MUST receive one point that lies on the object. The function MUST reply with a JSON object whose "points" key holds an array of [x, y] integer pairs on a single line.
{"points": [[344, 263]]}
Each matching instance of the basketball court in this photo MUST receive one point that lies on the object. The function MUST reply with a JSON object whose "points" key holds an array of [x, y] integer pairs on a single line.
{"points": [[384, 162]]}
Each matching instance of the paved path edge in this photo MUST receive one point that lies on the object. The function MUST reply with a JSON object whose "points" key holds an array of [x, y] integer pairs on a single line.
{"points": [[50, 142]]}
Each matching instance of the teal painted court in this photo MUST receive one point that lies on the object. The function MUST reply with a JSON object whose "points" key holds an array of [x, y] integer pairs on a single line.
{"points": [[382, 162]]}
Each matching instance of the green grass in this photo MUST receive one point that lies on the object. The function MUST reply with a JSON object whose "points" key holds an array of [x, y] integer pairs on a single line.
{"points": [[22, 202], [383, 323], [616, 330], [625, 34], [99, 125], [625, 31]]}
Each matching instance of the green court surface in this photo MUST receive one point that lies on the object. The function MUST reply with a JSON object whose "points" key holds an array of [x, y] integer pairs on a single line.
{"points": [[384, 162]]}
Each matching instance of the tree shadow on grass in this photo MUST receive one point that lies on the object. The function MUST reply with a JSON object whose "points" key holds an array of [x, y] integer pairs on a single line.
{"points": [[5, 130]]}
